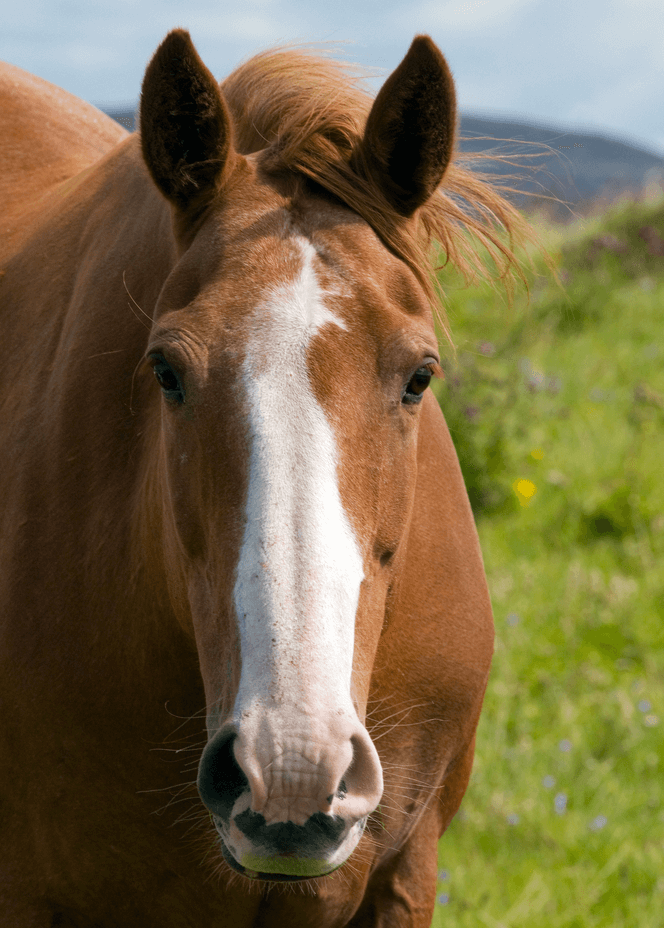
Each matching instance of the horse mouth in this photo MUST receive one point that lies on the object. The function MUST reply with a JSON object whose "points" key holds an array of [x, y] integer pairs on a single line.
{"points": [[284, 868]]}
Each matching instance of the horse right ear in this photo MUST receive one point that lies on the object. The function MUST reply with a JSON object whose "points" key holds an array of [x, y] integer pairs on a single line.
{"points": [[186, 133]]}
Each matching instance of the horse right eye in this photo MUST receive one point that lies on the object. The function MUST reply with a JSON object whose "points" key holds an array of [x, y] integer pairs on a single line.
{"points": [[168, 380]]}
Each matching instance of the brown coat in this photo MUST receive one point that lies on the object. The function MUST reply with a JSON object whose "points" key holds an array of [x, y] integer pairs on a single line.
{"points": [[122, 505]]}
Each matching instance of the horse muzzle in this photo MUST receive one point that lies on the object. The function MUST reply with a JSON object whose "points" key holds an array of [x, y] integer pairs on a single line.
{"points": [[284, 851], [287, 818]]}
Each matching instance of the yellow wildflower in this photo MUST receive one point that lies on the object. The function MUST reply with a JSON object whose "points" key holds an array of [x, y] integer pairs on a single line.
{"points": [[525, 490]]}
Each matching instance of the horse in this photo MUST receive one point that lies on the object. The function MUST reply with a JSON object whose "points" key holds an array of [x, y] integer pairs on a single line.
{"points": [[246, 632]]}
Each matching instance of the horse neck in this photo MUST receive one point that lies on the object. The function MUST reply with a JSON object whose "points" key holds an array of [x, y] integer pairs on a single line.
{"points": [[79, 298], [98, 239]]}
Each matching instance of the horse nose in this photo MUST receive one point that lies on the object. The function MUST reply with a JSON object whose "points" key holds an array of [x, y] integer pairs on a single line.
{"points": [[283, 787]]}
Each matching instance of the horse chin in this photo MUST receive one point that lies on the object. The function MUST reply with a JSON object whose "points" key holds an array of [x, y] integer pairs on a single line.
{"points": [[280, 869]]}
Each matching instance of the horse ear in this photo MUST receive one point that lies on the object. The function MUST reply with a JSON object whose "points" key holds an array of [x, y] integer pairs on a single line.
{"points": [[409, 136], [186, 133]]}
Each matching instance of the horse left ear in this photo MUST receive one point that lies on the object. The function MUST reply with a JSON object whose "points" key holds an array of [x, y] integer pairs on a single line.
{"points": [[409, 136], [186, 133]]}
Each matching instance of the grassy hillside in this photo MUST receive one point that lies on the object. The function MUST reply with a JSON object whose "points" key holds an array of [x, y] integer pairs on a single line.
{"points": [[557, 411]]}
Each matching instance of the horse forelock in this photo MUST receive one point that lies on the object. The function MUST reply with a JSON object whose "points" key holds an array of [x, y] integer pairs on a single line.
{"points": [[307, 115]]}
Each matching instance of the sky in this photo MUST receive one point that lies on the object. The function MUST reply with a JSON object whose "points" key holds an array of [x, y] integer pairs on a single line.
{"points": [[580, 64]]}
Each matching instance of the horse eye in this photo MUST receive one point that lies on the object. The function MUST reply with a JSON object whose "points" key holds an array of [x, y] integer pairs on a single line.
{"points": [[417, 385], [168, 380]]}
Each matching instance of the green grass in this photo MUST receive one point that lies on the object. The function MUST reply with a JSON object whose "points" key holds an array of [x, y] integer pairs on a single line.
{"points": [[563, 822]]}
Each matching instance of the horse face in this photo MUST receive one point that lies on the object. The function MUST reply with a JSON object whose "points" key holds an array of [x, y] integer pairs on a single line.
{"points": [[292, 351], [291, 387]]}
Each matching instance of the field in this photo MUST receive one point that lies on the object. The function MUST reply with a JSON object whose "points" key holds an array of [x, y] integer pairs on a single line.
{"points": [[557, 411]]}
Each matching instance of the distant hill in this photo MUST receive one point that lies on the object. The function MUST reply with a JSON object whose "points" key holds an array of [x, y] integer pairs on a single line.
{"points": [[578, 167], [549, 161], [125, 117]]}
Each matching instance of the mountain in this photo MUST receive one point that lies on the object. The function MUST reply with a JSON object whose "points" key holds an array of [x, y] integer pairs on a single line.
{"points": [[553, 168], [573, 166]]}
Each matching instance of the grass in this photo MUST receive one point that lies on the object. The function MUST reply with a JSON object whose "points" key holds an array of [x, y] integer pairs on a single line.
{"points": [[557, 411]]}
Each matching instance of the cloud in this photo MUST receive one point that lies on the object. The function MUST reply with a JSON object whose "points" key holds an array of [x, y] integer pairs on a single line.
{"points": [[243, 27], [589, 62], [455, 16]]}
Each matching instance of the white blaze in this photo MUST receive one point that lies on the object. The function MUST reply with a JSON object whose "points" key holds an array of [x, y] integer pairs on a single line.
{"points": [[300, 567]]}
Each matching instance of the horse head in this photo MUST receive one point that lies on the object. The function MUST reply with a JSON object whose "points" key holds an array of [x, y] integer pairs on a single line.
{"points": [[292, 352]]}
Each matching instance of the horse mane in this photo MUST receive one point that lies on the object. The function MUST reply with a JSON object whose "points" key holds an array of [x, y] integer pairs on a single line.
{"points": [[307, 113]]}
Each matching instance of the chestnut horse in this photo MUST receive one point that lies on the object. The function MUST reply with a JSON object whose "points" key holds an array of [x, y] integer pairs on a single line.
{"points": [[236, 538]]}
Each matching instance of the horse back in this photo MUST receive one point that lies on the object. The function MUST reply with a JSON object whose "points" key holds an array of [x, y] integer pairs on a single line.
{"points": [[46, 136]]}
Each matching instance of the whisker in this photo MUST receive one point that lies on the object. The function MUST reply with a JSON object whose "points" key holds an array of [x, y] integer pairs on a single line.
{"points": [[124, 282], [420, 705]]}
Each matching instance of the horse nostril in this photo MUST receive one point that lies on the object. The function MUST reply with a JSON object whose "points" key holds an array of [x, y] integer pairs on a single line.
{"points": [[221, 781]]}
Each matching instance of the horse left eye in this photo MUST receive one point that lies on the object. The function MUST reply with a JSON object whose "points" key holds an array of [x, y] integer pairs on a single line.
{"points": [[417, 385]]}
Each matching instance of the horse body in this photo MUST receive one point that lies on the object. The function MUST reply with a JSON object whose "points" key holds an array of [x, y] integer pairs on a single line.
{"points": [[280, 534]]}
